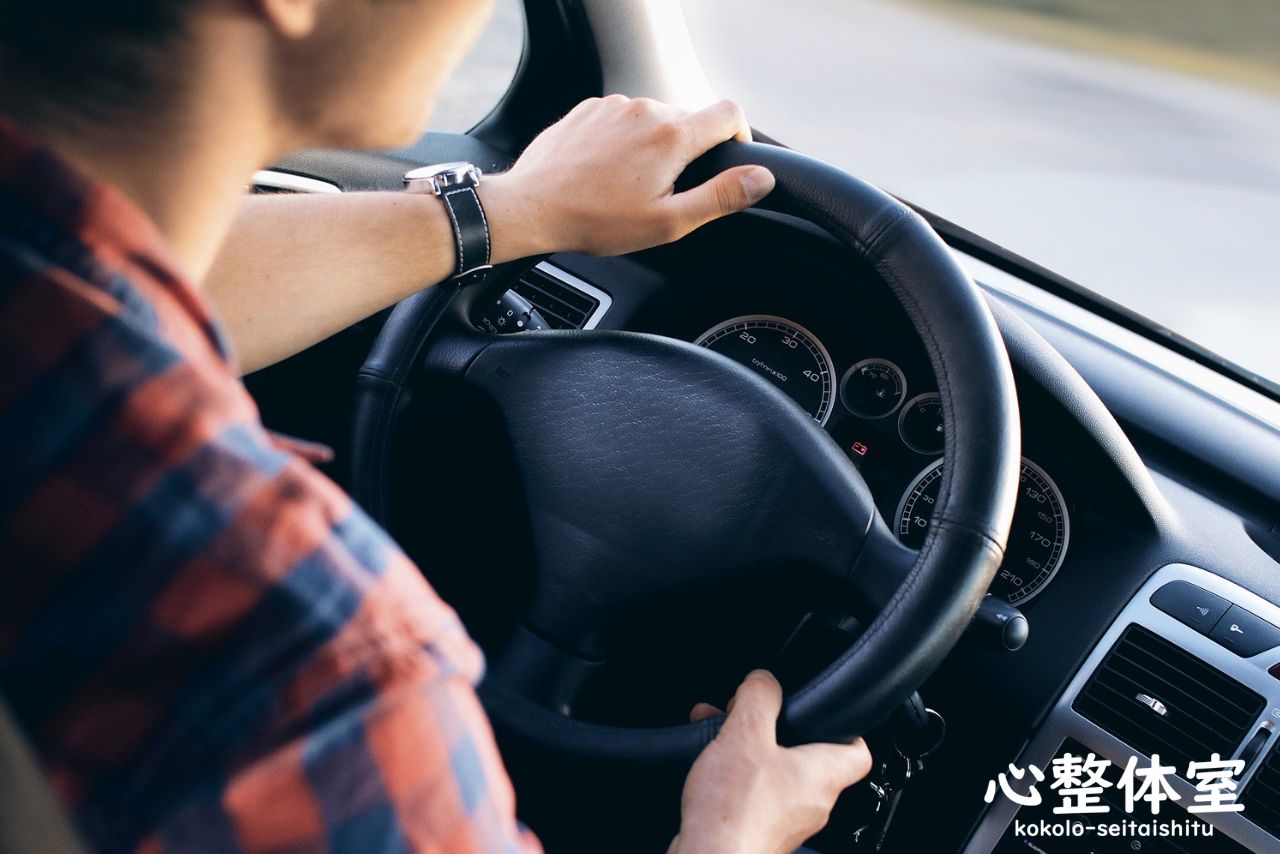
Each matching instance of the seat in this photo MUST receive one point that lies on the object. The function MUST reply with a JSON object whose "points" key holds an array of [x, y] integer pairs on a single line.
{"points": [[31, 819]]}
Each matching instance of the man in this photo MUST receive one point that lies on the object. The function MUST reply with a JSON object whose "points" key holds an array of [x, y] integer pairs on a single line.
{"points": [[207, 645]]}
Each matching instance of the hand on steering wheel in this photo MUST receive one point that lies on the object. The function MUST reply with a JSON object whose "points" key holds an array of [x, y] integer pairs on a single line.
{"points": [[746, 794]]}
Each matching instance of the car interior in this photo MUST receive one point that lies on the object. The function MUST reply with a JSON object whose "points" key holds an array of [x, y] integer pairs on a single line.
{"points": [[808, 437]]}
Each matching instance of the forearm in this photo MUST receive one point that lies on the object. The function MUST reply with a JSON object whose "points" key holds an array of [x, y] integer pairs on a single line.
{"points": [[296, 269]]}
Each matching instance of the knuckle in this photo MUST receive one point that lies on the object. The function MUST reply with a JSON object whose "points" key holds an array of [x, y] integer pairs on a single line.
{"points": [[646, 107], [729, 198], [668, 133], [733, 109], [614, 98]]}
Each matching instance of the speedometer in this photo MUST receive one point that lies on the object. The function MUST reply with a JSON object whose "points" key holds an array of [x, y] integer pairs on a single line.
{"points": [[1037, 540], [784, 353]]}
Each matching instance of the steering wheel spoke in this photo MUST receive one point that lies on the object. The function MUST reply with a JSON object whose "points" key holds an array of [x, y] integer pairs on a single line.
{"points": [[882, 565], [542, 670]]}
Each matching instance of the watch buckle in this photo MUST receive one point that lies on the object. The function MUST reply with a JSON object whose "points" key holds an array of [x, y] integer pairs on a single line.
{"points": [[473, 276]]}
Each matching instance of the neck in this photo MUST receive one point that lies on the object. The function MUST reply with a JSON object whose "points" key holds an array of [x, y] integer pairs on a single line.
{"points": [[187, 167]]}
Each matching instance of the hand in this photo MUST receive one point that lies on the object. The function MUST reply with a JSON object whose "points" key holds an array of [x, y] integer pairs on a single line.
{"points": [[601, 180], [746, 794]]}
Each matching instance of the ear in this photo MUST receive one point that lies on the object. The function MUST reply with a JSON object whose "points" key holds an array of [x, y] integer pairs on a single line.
{"points": [[293, 19]]}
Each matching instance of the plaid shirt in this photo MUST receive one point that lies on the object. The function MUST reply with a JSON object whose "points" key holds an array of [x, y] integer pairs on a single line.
{"points": [[208, 645]]}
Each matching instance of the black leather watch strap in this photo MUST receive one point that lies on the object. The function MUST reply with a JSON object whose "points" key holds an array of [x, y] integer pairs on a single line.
{"points": [[455, 184], [470, 231]]}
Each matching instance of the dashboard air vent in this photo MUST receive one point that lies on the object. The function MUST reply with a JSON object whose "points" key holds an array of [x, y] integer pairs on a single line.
{"points": [[1161, 699], [1262, 799], [563, 300]]}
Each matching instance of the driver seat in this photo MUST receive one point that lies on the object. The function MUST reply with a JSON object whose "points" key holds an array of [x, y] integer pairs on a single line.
{"points": [[31, 819]]}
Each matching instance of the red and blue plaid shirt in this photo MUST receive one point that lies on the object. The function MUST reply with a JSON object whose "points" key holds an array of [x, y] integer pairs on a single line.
{"points": [[208, 645]]}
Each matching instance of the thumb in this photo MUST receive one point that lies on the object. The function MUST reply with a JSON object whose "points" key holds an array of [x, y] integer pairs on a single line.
{"points": [[729, 192]]}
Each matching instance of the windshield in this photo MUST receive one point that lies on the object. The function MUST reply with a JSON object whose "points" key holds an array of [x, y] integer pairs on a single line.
{"points": [[1131, 145]]}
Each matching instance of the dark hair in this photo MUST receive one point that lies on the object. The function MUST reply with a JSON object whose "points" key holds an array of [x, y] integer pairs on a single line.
{"points": [[89, 59]]}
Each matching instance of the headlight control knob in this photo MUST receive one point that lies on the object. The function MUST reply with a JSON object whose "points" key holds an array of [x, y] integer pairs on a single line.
{"points": [[509, 314]]}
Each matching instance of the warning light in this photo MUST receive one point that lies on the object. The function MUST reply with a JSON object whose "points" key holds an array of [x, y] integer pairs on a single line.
{"points": [[859, 448]]}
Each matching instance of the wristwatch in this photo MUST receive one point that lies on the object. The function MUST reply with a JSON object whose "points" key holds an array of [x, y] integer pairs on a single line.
{"points": [[455, 184]]}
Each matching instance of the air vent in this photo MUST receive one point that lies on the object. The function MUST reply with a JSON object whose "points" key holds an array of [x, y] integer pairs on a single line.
{"points": [[564, 300], [1161, 699], [1262, 799]]}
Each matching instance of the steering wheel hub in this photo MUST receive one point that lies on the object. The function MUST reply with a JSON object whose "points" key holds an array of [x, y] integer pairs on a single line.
{"points": [[650, 466]]}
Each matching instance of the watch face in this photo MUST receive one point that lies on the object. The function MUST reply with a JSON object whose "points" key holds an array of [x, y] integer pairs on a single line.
{"points": [[433, 179]]}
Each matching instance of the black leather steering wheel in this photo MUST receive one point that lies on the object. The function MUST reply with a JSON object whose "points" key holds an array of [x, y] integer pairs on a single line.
{"points": [[651, 466]]}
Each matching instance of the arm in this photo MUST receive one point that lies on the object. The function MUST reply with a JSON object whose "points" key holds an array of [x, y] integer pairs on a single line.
{"points": [[296, 269]]}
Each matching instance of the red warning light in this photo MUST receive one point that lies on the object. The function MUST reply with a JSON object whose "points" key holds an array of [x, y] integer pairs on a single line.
{"points": [[859, 448]]}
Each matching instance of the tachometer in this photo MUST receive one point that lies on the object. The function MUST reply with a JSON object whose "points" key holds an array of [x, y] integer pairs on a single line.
{"points": [[1037, 541], [785, 353]]}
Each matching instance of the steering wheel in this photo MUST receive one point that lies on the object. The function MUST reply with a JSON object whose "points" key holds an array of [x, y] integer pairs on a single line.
{"points": [[652, 466]]}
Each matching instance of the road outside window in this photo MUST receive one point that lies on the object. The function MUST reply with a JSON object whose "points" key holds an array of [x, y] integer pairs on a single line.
{"points": [[486, 73], [1132, 145]]}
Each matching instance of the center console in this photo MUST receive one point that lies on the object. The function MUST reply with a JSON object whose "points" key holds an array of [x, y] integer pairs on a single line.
{"points": [[1186, 671]]}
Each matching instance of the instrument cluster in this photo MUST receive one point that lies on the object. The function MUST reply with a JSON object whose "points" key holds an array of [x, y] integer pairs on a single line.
{"points": [[888, 419]]}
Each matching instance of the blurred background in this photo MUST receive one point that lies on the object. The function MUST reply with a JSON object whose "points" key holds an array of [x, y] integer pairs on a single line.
{"points": [[1132, 145]]}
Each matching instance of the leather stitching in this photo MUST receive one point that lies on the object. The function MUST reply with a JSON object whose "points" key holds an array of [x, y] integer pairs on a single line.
{"points": [[457, 230], [488, 249]]}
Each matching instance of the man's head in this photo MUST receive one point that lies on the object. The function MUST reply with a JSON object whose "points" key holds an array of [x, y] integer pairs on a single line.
{"points": [[352, 73]]}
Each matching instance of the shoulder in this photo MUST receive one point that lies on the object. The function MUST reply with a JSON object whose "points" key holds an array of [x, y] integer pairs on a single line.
{"points": [[170, 558]]}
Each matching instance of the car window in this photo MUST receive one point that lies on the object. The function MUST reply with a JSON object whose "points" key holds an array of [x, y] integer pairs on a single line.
{"points": [[1132, 145], [486, 73]]}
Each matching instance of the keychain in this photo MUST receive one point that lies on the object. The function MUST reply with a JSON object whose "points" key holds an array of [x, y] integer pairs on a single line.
{"points": [[918, 732]]}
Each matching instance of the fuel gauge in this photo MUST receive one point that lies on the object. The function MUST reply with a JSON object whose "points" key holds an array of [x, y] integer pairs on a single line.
{"points": [[920, 424]]}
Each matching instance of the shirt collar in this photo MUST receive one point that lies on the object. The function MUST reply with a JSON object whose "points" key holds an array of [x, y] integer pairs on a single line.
{"points": [[101, 217]]}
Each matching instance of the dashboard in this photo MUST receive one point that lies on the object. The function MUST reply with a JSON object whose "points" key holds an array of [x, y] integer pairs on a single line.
{"points": [[828, 334], [1135, 475], [1088, 508]]}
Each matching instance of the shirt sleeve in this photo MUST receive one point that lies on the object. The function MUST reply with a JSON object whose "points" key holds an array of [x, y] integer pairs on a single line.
{"points": [[392, 753], [370, 736]]}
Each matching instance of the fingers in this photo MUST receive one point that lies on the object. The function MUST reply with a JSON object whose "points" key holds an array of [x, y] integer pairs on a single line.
{"points": [[729, 192], [756, 705], [631, 151], [839, 765], [702, 711], [712, 125]]}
